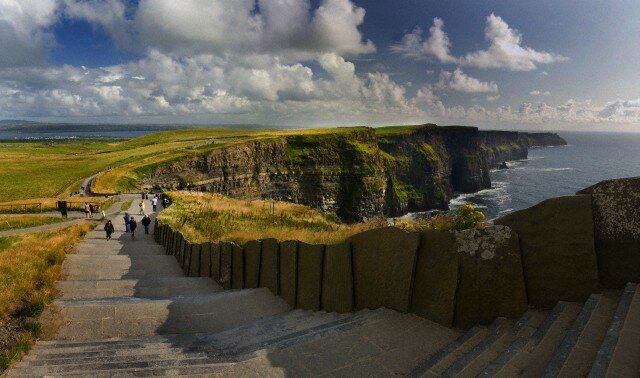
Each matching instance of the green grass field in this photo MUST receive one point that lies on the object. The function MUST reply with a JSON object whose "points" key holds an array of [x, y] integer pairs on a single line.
{"points": [[52, 168], [12, 223]]}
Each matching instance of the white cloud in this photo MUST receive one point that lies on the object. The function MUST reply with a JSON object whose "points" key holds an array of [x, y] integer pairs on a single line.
{"points": [[25, 35], [289, 28], [437, 44], [506, 50], [539, 93], [460, 82]]}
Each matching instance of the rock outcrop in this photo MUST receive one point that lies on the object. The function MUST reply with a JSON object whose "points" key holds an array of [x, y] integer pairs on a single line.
{"points": [[358, 173]]}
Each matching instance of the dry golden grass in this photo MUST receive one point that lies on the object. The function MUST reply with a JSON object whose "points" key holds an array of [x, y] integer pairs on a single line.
{"points": [[24, 221], [29, 267], [205, 217], [30, 264], [48, 204]]}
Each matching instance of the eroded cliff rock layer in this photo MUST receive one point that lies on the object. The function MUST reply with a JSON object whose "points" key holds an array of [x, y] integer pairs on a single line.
{"points": [[358, 173]]}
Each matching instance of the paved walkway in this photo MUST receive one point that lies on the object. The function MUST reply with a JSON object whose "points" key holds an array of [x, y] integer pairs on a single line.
{"points": [[74, 218]]}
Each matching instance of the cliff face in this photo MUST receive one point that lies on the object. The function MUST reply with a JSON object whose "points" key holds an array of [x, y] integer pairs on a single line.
{"points": [[358, 173]]}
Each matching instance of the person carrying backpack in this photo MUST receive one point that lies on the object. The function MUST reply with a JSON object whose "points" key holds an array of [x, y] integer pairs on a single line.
{"points": [[109, 229], [132, 226], [146, 221]]}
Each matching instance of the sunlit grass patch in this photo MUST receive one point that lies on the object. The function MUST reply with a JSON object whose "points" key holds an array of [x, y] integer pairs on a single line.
{"points": [[210, 217], [24, 221]]}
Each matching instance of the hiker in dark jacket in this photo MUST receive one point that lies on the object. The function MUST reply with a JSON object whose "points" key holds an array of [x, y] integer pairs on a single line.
{"points": [[126, 221], [146, 221], [109, 229], [132, 226]]}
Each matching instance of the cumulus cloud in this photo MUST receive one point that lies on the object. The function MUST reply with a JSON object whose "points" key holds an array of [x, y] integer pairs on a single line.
{"points": [[505, 48], [25, 37], [437, 44], [190, 27], [539, 93], [460, 82]]}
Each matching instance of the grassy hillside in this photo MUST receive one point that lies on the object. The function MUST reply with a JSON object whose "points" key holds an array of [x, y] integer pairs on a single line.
{"points": [[205, 217], [50, 168]]}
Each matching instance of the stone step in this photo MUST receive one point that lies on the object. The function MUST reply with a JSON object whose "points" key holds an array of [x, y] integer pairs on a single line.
{"points": [[214, 348], [577, 351], [130, 317], [478, 361], [438, 363], [470, 364], [527, 326], [619, 353], [169, 366], [140, 288], [530, 357], [88, 267]]}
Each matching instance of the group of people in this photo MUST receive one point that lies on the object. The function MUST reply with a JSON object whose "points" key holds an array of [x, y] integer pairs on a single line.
{"points": [[130, 222], [89, 209]]}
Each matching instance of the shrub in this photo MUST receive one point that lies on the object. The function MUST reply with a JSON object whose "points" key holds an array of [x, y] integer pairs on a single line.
{"points": [[465, 218]]}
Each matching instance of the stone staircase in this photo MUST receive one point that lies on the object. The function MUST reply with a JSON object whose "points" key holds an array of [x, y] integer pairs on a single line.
{"points": [[598, 338], [126, 309]]}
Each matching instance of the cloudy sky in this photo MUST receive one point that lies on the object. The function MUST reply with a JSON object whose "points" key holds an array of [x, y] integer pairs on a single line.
{"points": [[529, 64]]}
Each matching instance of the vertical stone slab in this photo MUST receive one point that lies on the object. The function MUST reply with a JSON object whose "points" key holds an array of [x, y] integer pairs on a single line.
{"points": [[237, 267], [616, 217], [288, 271], [337, 279], [194, 265], [436, 278], [491, 281], [215, 261], [383, 264], [309, 288], [269, 265], [558, 249], [186, 260], [179, 248], [252, 253], [205, 260], [226, 260]]}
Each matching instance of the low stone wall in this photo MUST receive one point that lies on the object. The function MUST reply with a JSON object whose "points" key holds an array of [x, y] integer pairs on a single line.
{"points": [[454, 279], [564, 248]]}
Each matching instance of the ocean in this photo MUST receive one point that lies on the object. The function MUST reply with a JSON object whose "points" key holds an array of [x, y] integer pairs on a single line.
{"points": [[557, 171]]}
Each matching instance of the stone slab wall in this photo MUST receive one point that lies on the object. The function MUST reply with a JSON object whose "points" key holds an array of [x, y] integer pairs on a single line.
{"points": [[561, 249], [557, 247], [616, 217]]}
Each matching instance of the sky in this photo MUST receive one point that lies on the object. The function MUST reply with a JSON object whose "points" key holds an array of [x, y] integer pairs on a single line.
{"points": [[524, 65]]}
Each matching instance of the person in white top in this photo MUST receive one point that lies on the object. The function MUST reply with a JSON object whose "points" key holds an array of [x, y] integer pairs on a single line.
{"points": [[154, 203]]}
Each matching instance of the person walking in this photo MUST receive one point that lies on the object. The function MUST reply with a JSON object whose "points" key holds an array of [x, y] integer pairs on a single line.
{"points": [[109, 229], [146, 222], [126, 221], [141, 206], [87, 210], [132, 226], [154, 204], [91, 210]]}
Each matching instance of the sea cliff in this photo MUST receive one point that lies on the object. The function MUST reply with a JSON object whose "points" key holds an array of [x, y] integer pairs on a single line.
{"points": [[358, 173]]}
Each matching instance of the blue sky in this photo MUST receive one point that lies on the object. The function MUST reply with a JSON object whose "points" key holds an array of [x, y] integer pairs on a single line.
{"points": [[557, 65]]}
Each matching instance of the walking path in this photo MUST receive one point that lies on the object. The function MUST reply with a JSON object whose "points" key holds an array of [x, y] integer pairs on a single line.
{"points": [[76, 218], [127, 309]]}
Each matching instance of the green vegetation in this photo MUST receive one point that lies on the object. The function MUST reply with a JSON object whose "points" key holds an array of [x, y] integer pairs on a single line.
{"points": [[465, 218], [126, 205], [24, 221], [37, 205], [211, 217], [29, 266]]}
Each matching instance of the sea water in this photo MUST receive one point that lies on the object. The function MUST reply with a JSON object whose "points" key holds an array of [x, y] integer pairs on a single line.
{"points": [[556, 171]]}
